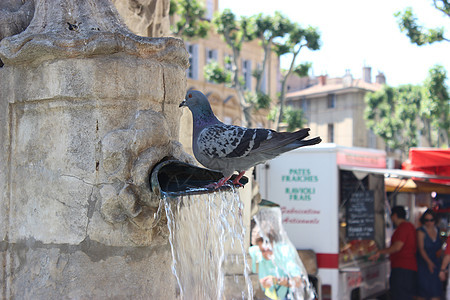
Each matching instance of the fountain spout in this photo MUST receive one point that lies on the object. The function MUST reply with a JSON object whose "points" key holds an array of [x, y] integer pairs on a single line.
{"points": [[173, 178]]}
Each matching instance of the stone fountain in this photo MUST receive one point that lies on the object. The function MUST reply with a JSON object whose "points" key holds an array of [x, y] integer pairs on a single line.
{"points": [[86, 110]]}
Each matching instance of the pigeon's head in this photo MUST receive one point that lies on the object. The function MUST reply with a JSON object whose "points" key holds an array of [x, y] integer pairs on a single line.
{"points": [[195, 100], [198, 104]]}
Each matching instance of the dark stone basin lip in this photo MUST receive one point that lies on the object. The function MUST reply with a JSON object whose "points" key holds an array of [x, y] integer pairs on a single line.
{"points": [[173, 178]]}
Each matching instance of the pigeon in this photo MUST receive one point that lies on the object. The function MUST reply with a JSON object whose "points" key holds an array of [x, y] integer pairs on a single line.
{"points": [[229, 148]]}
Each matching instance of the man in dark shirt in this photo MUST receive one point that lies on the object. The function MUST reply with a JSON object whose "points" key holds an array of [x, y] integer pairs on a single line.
{"points": [[402, 254]]}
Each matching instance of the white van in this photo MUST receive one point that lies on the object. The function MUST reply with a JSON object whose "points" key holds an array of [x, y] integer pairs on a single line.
{"points": [[333, 204]]}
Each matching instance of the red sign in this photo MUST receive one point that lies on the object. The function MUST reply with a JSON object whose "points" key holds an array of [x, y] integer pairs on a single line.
{"points": [[358, 158]]}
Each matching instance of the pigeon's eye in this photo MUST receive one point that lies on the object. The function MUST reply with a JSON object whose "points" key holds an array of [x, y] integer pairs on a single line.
{"points": [[190, 95]]}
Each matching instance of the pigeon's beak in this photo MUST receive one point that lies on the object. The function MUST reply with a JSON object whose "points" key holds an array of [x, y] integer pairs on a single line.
{"points": [[182, 103]]}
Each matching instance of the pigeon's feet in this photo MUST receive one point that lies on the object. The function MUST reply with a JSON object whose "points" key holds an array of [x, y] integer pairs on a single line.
{"points": [[218, 184], [236, 180]]}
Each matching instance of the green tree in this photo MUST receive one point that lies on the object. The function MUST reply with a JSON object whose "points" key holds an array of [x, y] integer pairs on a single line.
{"points": [[213, 72], [267, 29], [293, 117], [276, 33], [235, 32], [435, 107], [417, 34], [191, 23], [263, 27], [297, 38], [216, 73], [393, 113]]}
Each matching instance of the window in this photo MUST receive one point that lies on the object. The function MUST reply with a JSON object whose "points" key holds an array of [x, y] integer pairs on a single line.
{"points": [[372, 140], [263, 79], [331, 101], [211, 55], [209, 9], [228, 62], [330, 133], [304, 104], [264, 85], [192, 71], [247, 73]]}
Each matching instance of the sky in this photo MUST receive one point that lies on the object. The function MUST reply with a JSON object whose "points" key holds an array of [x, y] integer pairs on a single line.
{"points": [[357, 33]]}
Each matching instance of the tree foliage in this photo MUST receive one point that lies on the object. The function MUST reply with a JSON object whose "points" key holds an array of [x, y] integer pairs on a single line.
{"points": [[435, 107], [392, 114], [235, 32], [434, 104], [191, 23], [297, 38], [293, 117], [417, 34], [443, 6], [276, 34], [267, 29], [215, 73], [302, 69], [401, 115]]}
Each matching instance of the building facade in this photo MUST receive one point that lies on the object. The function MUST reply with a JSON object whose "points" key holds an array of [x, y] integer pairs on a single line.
{"points": [[334, 108]]}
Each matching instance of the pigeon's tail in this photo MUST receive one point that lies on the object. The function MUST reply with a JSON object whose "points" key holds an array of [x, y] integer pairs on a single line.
{"points": [[289, 141], [301, 143], [309, 142]]}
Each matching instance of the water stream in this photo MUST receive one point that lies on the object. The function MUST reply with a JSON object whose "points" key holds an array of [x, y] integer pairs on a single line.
{"points": [[207, 241]]}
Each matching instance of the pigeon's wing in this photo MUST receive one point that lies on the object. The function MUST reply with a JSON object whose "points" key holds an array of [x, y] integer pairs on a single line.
{"points": [[280, 142], [228, 141]]}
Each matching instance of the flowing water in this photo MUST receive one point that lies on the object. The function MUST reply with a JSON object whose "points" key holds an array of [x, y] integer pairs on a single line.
{"points": [[206, 236]]}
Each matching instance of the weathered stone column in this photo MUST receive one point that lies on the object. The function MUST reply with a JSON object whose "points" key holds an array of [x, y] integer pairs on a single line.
{"points": [[86, 110]]}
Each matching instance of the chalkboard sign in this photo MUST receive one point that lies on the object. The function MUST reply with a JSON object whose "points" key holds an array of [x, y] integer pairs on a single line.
{"points": [[361, 216], [350, 184]]}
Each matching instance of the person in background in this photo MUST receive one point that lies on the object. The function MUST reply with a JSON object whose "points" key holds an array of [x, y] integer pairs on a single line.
{"points": [[443, 272], [402, 254], [429, 285]]}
